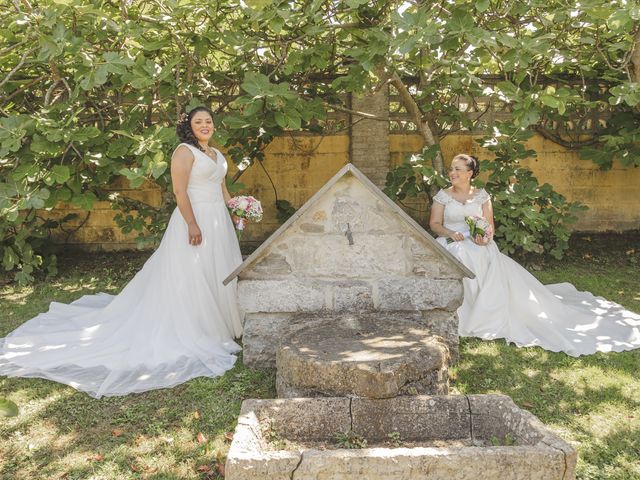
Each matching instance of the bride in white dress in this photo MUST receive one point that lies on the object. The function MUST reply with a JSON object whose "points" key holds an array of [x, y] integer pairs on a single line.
{"points": [[506, 301], [174, 321]]}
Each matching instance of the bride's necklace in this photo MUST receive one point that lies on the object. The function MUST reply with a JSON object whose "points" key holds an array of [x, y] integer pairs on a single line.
{"points": [[211, 153], [468, 195]]}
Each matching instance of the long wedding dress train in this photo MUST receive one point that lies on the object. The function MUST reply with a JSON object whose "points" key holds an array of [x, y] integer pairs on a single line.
{"points": [[506, 301], [174, 321]]}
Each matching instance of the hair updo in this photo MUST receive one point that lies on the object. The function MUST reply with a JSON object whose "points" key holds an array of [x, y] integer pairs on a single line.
{"points": [[470, 161], [184, 130]]}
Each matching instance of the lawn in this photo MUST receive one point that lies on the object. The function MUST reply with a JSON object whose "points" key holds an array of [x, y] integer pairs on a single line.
{"points": [[593, 402]]}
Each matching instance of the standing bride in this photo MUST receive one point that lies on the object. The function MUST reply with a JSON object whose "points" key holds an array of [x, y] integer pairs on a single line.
{"points": [[506, 301], [174, 321]]}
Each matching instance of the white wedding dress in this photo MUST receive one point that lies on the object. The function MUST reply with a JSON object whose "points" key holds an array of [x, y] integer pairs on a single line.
{"points": [[506, 301], [174, 321]]}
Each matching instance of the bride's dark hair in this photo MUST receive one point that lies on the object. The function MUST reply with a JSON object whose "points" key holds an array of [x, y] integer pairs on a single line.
{"points": [[472, 163], [184, 130]]}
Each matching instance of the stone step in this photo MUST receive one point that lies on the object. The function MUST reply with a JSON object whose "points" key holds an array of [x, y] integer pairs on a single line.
{"points": [[363, 356]]}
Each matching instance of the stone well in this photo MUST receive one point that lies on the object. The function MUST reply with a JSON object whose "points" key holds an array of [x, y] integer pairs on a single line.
{"points": [[435, 438], [349, 249], [362, 355]]}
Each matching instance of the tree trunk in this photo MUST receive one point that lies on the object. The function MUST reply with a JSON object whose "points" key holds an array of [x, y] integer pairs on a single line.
{"points": [[635, 58], [423, 125]]}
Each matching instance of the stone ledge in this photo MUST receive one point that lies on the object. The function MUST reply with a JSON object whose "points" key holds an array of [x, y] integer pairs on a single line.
{"points": [[363, 356], [537, 454]]}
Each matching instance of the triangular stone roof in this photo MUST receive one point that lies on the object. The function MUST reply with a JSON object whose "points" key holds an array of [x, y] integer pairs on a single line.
{"points": [[351, 169]]}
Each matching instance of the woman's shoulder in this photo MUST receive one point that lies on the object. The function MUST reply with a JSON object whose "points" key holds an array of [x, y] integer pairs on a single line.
{"points": [[443, 197], [183, 151], [481, 195]]}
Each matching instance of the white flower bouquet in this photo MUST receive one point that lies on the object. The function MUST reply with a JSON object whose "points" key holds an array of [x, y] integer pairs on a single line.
{"points": [[246, 208], [479, 226]]}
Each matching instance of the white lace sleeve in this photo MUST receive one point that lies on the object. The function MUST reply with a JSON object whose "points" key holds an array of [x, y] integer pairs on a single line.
{"points": [[442, 198], [482, 197]]}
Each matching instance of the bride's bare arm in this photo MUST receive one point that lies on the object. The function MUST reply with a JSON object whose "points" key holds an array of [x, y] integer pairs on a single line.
{"points": [[487, 213], [436, 223], [181, 163]]}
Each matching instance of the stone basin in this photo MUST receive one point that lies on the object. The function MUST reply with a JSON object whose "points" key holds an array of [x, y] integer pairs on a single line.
{"points": [[438, 437], [364, 356]]}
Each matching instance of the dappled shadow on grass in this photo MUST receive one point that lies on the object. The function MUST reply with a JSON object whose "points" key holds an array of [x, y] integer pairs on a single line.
{"points": [[535, 376], [565, 392], [147, 425], [620, 448]]}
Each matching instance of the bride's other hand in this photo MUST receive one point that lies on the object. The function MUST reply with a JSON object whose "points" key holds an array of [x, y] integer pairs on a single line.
{"points": [[456, 237], [480, 240], [235, 219], [195, 235]]}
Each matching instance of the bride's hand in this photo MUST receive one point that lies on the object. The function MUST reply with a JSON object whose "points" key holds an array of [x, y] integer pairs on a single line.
{"points": [[480, 240], [195, 235], [456, 237]]}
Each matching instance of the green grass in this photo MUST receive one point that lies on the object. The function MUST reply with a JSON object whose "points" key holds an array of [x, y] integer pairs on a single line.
{"points": [[62, 433], [593, 402]]}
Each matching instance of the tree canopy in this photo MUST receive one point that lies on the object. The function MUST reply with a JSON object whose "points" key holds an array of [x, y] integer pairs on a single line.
{"points": [[90, 91]]}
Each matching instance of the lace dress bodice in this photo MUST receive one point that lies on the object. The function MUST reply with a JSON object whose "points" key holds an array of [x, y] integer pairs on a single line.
{"points": [[455, 211]]}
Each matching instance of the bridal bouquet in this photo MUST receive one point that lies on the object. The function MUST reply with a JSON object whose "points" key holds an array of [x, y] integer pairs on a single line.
{"points": [[479, 226], [247, 208]]}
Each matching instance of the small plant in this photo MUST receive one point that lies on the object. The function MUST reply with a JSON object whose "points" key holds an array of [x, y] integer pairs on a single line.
{"points": [[507, 441], [412, 391], [394, 438], [272, 436], [350, 440]]}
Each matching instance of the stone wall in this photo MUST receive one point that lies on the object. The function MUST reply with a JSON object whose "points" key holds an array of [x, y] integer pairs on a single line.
{"points": [[300, 165]]}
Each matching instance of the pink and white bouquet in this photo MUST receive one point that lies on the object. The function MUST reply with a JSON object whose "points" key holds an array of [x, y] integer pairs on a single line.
{"points": [[479, 226], [247, 208]]}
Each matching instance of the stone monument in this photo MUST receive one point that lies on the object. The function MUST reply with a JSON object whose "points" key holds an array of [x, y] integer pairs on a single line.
{"points": [[348, 250]]}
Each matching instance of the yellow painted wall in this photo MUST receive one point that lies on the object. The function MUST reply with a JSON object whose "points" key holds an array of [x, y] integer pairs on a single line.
{"points": [[300, 165]]}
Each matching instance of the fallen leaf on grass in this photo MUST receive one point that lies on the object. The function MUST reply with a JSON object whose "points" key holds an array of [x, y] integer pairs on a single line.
{"points": [[229, 436], [134, 468], [64, 476], [97, 458], [201, 438], [117, 432], [196, 414], [151, 470], [527, 405], [205, 469], [220, 468], [630, 252]]}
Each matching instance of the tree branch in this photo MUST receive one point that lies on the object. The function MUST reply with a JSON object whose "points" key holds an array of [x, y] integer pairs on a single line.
{"points": [[19, 66], [635, 58], [417, 114], [560, 141]]}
